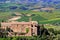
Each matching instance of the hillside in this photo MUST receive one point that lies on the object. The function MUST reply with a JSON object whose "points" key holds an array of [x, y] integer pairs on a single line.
{"points": [[37, 16], [32, 3], [45, 12], [41, 16], [27, 7]]}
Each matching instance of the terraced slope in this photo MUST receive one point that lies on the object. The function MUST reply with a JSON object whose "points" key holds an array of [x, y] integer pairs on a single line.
{"points": [[4, 16], [41, 17]]}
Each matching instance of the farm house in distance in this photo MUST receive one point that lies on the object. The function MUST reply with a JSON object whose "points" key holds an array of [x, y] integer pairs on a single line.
{"points": [[20, 28]]}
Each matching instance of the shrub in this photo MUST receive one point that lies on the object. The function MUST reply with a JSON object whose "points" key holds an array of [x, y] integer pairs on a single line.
{"points": [[51, 30], [58, 32], [55, 32], [58, 37], [27, 30]]}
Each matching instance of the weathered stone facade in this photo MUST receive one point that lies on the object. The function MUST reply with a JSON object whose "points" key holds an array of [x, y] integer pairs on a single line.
{"points": [[20, 28]]}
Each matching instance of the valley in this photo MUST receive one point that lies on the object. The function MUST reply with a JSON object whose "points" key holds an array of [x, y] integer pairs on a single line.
{"points": [[46, 13]]}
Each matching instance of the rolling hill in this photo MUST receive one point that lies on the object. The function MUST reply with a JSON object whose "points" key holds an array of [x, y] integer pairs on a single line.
{"points": [[26, 7]]}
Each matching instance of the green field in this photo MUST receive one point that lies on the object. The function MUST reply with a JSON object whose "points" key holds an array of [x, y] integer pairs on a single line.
{"points": [[46, 18], [41, 17], [5, 16]]}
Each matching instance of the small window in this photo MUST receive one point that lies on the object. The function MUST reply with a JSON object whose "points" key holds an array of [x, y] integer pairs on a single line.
{"points": [[23, 25], [28, 25], [31, 25]]}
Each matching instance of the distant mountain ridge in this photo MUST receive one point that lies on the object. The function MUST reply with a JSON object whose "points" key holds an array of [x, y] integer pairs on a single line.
{"points": [[31, 1], [31, 4]]}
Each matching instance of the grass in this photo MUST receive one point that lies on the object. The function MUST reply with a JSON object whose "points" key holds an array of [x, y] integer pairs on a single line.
{"points": [[34, 18], [52, 26], [47, 15], [50, 21], [24, 18], [41, 17], [5, 15]]}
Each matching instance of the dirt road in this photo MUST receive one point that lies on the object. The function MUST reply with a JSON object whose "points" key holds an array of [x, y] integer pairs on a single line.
{"points": [[14, 18]]}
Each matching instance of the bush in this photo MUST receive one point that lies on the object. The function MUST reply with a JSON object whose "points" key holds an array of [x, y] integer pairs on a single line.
{"points": [[58, 37], [58, 32], [27, 30], [55, 32], [51, 30]]}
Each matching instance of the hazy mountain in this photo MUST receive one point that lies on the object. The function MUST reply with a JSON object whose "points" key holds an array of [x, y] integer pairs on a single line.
{"points": [[31, 4], [31, 1]]}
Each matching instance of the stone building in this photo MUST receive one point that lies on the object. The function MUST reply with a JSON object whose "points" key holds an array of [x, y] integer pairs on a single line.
{"points": [[20, 28]]}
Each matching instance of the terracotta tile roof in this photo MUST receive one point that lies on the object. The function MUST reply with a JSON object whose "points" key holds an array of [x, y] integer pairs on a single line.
{"points": [[8, 23]]}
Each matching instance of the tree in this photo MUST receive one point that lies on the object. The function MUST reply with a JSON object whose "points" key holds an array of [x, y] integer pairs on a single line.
{"points": [[27, 30]]}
